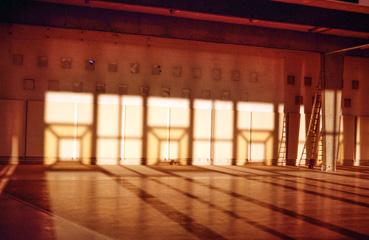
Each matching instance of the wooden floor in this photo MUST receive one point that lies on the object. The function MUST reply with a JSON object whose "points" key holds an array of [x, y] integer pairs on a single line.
{"points": [[178, 202]]}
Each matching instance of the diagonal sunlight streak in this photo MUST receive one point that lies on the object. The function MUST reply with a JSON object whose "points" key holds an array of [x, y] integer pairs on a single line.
{"points": [[5, 175]]}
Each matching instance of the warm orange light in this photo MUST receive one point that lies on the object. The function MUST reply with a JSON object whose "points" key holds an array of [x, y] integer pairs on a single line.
{"points": [[255, 132], [168, 122], [68, 118]]}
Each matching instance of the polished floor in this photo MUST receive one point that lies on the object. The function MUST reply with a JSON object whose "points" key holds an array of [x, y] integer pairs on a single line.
{"points": [[178, 202]]}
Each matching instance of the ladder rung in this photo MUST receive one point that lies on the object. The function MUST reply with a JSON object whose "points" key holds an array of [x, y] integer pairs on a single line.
{"points": [[312, 148]]}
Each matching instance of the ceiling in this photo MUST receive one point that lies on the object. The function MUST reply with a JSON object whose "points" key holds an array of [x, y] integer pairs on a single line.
{"points": [[311, 21], [340, 18]]}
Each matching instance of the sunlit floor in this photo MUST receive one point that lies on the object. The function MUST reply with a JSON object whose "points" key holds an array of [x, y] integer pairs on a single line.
{"points": [[175, 202]]}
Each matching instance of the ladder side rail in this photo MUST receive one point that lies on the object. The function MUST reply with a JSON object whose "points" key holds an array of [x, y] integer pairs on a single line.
{"points": [[312, 126]]}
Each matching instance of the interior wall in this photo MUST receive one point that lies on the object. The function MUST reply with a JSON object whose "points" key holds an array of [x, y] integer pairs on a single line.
{"points": [[12, 130], [209, 80], [356, 110]]}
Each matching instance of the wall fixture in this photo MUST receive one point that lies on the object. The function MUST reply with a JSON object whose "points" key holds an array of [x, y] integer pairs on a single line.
{"points": [[186, 92], [42, 62], [347, 102], [90, 64], [113, 67], [177, 71], [29, 84], [144, 90], [53, 85], [205, 93], [254, 77], [17, 59], [217, 74], [156, 69], [196, 72], [226, 95], [134, 68], [298, 100], [291, 80], [308, 81], [77, 86], [235, 75], [66, 63], [100, 87], [165, 92], [355, 84], [122, 89]]}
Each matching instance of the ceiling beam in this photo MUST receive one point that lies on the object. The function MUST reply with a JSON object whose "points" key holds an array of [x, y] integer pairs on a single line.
{"points": [[330, 4], [180, 13], [360, 47]]}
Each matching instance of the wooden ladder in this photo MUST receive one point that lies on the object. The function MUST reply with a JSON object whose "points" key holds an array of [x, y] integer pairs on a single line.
{"points": [[314, 145], [282, 152]]}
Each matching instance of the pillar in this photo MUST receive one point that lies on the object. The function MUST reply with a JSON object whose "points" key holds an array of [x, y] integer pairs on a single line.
{"points": [[349, 136], [364, 141], [332, 83], [293, 126]]}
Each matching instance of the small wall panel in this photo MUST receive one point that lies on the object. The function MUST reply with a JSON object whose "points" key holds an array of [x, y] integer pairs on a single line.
{"points": [[11, 129], [35, 130]]}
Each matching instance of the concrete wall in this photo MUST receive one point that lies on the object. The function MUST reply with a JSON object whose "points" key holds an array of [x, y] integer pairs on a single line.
{"points": [[216, 85], [355, 128]]}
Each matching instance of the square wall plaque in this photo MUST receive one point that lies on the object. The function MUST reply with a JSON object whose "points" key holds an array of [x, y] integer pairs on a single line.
{"points": [[100, 87], [90, 64], [77, 86], [205, 93], [134, 68], [196, 73], [29, 84], [144, 91], [217, 74], [165, 92], [156, 69], [113, 67], [298, 100], [235, 75], [122, 89], [53, 85], [355, 84], [42, 62], [308, 81], [177, 71], [347, 102], [186, 92], [254, 77], [290, 80], [66, 63], [17, 59]]}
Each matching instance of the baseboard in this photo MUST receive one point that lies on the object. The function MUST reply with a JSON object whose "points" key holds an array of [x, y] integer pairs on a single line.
{"points": [[290, 162], [348, 162], [21, 160], [364, 162]]}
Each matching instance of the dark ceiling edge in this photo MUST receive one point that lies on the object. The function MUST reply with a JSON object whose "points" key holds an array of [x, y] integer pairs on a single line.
{"points": [[73, 17], [165, 37], [266, 10]]}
